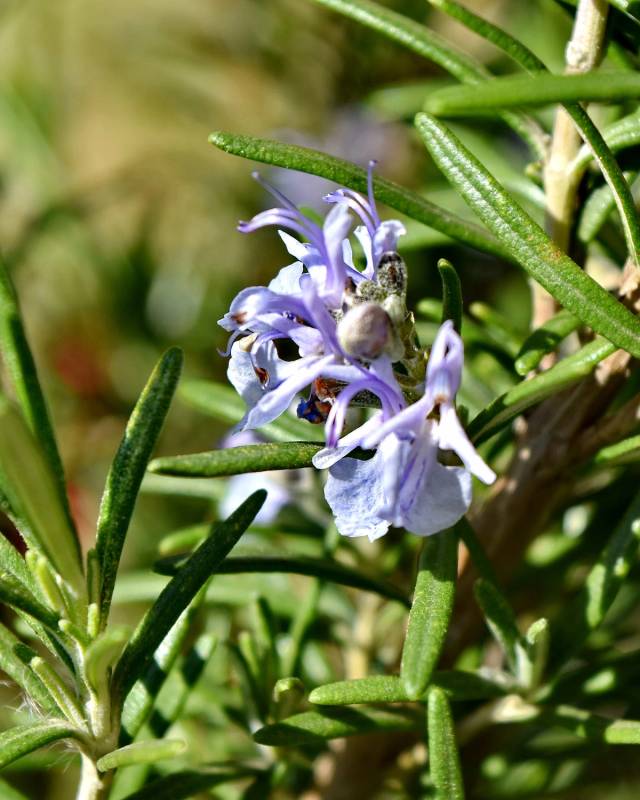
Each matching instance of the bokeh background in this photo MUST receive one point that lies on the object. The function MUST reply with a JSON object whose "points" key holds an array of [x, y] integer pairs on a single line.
{"points": [[118, 219]]}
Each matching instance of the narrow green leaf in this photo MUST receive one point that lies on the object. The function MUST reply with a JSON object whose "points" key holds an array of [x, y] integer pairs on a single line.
{"points": [[517, 91], [623, 133], [179, 592], [595, 141], [17, 742], [15, 595], [324, 569], [538, 641], [147, 752], [181, 682], [13, 562], [456, 684], [527, 242], [426, 43], [588, 610], [582, 723], [142, 697], [543, 340], [58, 689], [222, 402], [629, 8], [410, 34], [614, 176], [237, 460], [103, 652], [597, 208], [502, 624], [16, 667], [451, 293], [595, 727], [430, 612], [33, 492], [316, 727], [519, 52], [625, 452], [529, 392], [17, 356], [346, 174], [444, 761], [128, 468], [188, 783]]}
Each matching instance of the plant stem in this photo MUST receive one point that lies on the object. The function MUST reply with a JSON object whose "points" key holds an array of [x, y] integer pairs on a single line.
{"points": [[93, 784], [583, 53]]}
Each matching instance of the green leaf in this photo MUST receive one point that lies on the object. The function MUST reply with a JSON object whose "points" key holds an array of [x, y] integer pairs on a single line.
{"points": [[14, 658], [33, 492], [517, 91], [147, 752], [529, 392], [17, 742], [430, 612], [14, 594], [325, 569], [588, 610], [188, 783], [390, 689], [18, 359], [426, 43], [181, 682], [502, 624], [237, 460], [225, 404], [623, 133], [451, 293], [543, 340], [103, 652], [142, 697], [596, 142], [128, 468], [527, 242], [444, 761], [13, 562], [625, 452], [346, 174], [519, 52], [597, 208], [584, 724], [316, 727], [629, 8], [179, 592]]}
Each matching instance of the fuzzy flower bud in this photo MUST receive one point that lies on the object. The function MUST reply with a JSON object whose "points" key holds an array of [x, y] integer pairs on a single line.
{"points": [[365, 331]]}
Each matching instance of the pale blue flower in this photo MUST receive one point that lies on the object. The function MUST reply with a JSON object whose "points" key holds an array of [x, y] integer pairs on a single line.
{"points": [[404, 484]]}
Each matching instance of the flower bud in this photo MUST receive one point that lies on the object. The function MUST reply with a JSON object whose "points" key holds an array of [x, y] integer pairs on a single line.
{"points": [[365, 331]]}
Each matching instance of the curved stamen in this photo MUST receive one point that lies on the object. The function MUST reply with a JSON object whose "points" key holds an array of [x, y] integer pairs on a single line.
{"points": [[280, 197], [372, 201]]}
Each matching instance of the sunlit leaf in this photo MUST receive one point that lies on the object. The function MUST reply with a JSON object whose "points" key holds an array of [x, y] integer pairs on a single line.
{"points": [[128, 468], [430, 612]]}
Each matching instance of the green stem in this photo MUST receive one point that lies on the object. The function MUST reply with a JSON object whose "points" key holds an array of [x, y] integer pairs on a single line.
{"points": [[93, 784], [561, 181]]}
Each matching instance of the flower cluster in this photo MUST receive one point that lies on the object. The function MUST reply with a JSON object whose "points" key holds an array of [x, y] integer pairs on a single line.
{"points": [[345, 335]]}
